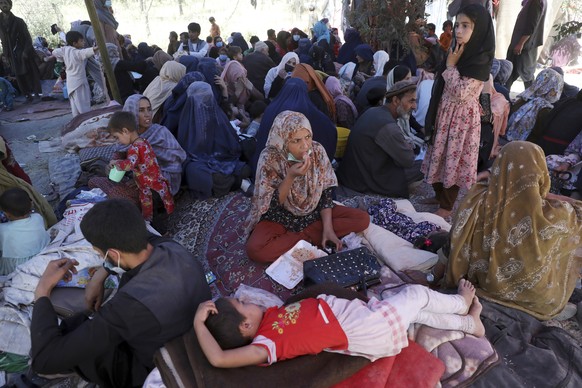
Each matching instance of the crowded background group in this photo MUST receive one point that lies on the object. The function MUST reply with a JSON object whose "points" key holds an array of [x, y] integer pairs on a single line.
{"points": [[294, 118]]}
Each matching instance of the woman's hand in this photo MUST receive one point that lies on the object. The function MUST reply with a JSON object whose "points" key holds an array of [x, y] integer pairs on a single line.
{"points": [[218, 81], [282, 73], [329, 238], [455, 54], [300, 169]]}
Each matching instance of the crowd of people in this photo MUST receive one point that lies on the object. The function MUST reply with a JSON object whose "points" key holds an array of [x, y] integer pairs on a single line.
{"points": [[219, 114]]}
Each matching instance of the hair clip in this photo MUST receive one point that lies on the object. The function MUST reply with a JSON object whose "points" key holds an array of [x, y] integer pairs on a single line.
{"points": [[427, 242]]}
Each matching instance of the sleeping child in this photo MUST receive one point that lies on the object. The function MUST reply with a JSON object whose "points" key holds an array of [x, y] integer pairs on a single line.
{"points": [[24, 235], [154, 190], [235, 334]]}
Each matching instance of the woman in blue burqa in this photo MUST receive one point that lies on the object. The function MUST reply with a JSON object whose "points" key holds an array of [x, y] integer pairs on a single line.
{"points": [[213, 167], [293, 96]]}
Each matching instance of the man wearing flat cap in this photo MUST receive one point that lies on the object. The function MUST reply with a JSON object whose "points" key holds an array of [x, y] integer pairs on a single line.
{"points": [[379, 157]]}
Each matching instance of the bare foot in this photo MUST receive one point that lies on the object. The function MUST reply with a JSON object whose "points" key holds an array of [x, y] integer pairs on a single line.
{"points": [[475, 313], [467, 290], [443, 213]]}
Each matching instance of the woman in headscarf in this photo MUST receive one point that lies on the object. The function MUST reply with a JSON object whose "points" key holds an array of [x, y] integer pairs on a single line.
{"points": [[296, 36], [347, 52], [345, 110], [302, 51], [122, 68], [276, 76], [213, 167], [293, 194], [160, 58], [501, 77], [161, 87], [322, 37], [239, 40], [570, 161], [169, 153], [175, 102], [517, 243], [209, 68], [346, 75], [365, 58], [533, 104], [451, 159], [238, 86], [218, 44], [294, 97], [560, 127], [190, 62], [144, 51], [380, 59], [316, 89]]}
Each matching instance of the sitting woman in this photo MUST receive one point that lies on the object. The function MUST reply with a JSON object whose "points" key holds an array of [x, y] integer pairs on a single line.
{"points": [[169, 153], [234, 75], [294, 97], [318, 94], [533, 105], [570, 162], [365, 56], [213, 167], [277, 75], [345, 110], [518, 243], [161, 87], [293, 194]]}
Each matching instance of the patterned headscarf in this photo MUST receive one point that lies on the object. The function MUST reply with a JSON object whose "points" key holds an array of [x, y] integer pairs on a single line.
{"points": [[346, 76], [546, 89], [113, 53], [514, 245], [335, 89], [273, 166]]}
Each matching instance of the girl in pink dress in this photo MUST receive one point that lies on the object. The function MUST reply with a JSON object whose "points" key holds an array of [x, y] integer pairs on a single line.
{"points": [[451, 159]]}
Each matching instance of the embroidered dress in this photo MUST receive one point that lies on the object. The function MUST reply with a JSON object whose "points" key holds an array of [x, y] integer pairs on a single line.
{"points": [[141, 159], [452, 159]]}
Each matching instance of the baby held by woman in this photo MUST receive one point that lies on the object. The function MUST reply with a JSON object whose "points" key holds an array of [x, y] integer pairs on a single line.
{"points": [[235, 334]]}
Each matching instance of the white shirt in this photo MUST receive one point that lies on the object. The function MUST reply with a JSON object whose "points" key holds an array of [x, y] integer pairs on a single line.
{"points": [[75, 62], [198, 50]]}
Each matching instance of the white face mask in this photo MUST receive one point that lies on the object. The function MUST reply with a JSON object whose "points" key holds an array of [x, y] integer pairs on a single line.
{"points": [[110, 268], [296, 38]]}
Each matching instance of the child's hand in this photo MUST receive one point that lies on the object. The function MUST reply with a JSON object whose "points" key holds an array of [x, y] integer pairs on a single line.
{"points": [[204, 310]]}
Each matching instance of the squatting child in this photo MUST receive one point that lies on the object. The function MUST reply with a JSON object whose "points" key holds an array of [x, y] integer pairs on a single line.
{"points": [[24, 235], [154, 190], [75, 57], [235, 334]]}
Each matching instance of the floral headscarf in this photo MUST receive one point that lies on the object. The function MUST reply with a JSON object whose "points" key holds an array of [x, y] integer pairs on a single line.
{"points": [[546, 89], [273, 166], [518, 248]]}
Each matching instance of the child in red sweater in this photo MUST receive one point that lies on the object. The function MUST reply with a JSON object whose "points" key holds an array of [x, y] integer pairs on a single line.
{"points": [[234, 334], [154, 191]]}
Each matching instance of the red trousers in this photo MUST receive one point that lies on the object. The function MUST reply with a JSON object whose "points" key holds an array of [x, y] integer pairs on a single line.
{"points": [[269, 240]]}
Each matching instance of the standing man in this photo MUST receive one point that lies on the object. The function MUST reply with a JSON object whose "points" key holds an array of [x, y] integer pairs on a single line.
{"points": [[528, 35], [194, 46], [378, 158], [17, 46], [160, 287]]}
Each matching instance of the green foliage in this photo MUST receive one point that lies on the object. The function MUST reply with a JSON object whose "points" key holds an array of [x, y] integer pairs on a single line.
{"points": [[384, 22], [568, 28]]}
